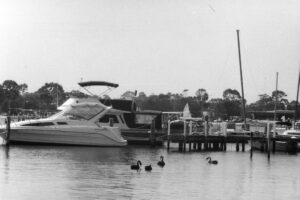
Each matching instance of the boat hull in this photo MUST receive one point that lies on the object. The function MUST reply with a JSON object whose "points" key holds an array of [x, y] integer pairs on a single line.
{"points": [[142, 136], [66, 136]]}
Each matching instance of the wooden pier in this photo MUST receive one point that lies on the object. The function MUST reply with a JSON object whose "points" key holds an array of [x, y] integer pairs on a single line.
{"points": [[203, 141]]}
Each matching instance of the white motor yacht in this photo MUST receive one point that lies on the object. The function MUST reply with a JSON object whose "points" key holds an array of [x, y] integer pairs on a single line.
{"points": [[138, 130], [77, 124]]}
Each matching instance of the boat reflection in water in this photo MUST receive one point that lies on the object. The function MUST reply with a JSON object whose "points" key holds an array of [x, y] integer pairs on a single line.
{"points": [[76, 125]]}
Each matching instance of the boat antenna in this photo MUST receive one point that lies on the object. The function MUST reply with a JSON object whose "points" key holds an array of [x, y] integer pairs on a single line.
{"points": [[241, 75]]}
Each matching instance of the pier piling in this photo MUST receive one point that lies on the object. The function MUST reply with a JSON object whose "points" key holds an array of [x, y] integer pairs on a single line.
{"points": [[268, 139], [7, 138], [237, 146], [168, 136], [251, 145], [152, 132], [206, 133]]}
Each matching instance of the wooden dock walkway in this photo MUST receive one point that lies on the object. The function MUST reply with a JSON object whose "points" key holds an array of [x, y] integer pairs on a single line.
{"points": [[204, 141]]}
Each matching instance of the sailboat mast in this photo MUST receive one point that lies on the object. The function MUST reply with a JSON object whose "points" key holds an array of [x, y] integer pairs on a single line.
{"points": [[276, 98], [296, 107], [241, 75]]}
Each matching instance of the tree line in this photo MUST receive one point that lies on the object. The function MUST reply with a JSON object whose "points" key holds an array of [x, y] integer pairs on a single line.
{"points": [[51, 95]]}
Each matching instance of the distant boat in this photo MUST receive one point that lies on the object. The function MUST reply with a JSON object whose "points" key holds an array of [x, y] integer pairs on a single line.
{"points": [[186, 111], [77, 124]]}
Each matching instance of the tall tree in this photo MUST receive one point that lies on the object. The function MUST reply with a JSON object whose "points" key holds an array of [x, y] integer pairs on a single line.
{"points": [[232, 102], [201, 95], [10, 92], [50, 95], [128, 95], [231, 95], [280, 95]]}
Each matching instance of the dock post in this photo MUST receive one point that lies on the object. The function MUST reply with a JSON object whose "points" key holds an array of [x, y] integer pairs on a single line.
{"points": [[180, 146], [191, 128], [274, 138], [199, 146], [151, 136], [251, 144], [224, 126], [206, 133], [184, 136], [190, 133], [7, 138], [237, 147], [168, 136], [268, 139]]}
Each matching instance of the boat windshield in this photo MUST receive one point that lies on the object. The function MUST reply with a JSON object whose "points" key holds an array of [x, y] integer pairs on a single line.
{"points": [[83, 111]]}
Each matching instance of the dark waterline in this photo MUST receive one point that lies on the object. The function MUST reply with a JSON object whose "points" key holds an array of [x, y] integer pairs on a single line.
{"points": [[68, 172]]}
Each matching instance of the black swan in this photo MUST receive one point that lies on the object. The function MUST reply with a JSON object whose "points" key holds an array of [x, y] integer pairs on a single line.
{"points": [[148, 167], [211, 161], [137, 166], [161, 163]]}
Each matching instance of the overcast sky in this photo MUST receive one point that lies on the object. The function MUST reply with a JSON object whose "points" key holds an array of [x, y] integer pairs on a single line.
{"points": [[154, 46]]}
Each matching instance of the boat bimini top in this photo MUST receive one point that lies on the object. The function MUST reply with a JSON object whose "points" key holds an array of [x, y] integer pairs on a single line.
{"points": [[98, 83]]}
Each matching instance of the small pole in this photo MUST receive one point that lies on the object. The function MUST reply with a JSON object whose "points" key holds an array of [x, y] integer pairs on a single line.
{"points": [[268, 140], [206, 134], [151, 136], [7, 140], [237, 146], [194, 146], [251, 145], [191, 127], [184, 135], [168, 136], [225, 135], [274, 137], [241, 75]]}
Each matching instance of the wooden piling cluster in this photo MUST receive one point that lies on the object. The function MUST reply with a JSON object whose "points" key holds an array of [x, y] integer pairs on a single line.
{"points": [[206, 142]]}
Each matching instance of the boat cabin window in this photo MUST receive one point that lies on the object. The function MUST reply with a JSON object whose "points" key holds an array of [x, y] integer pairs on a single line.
{"points": [[39, 124], [105, 119]]}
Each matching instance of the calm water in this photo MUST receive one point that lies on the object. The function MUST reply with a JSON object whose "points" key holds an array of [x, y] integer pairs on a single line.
{"points": [[57, 172]]}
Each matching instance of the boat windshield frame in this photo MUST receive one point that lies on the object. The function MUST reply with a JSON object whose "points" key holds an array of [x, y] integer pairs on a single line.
{"points": [[74, 112]]}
